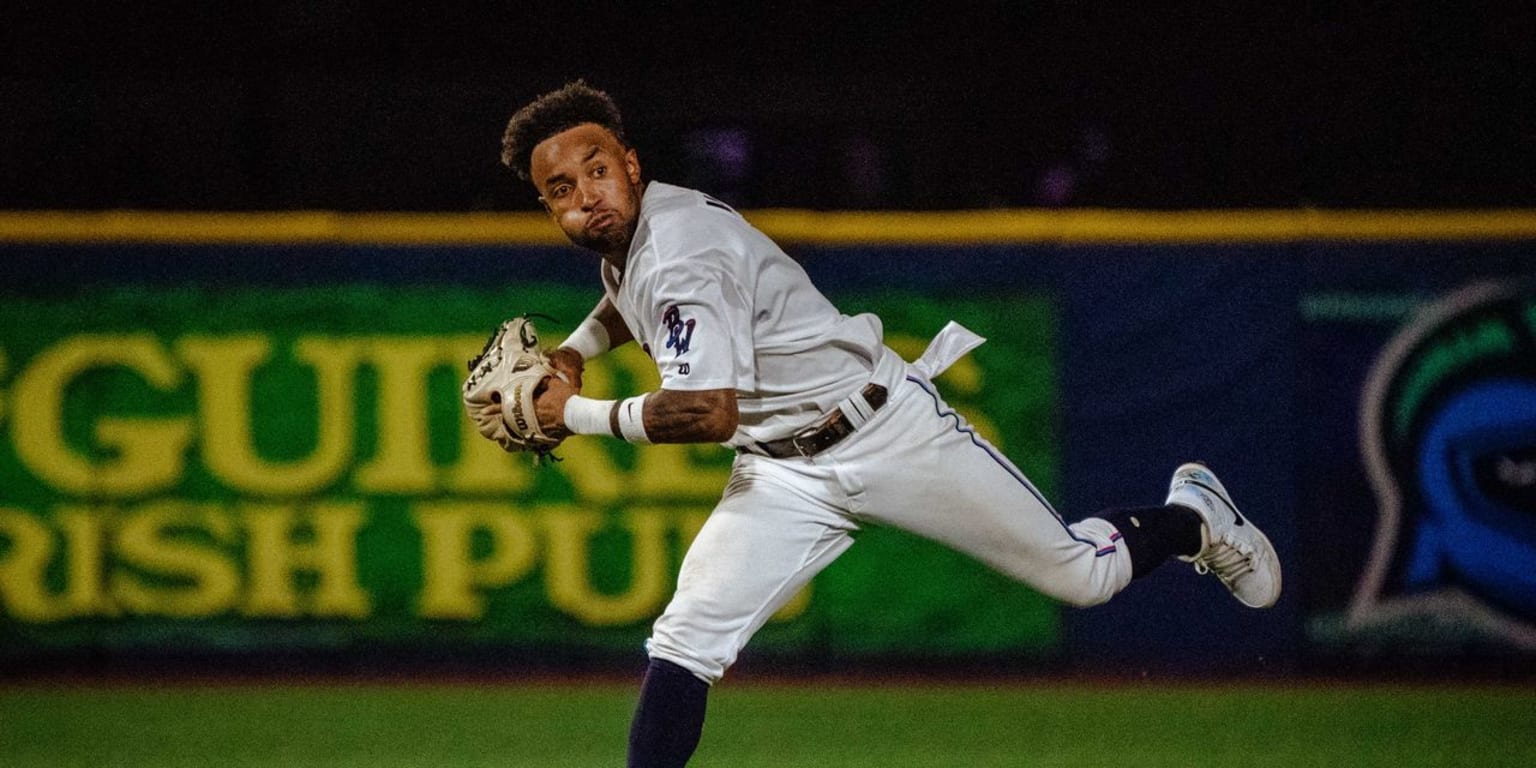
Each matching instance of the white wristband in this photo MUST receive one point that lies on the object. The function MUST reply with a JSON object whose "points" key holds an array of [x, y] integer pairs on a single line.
{"points": [[588, 416], [632, 421], [589, 340]]}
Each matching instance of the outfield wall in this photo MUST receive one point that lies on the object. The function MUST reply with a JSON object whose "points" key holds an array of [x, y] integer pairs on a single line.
{"points": [[239, 434]]}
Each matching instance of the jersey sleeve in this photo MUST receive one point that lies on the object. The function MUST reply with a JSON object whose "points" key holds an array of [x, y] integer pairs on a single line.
{"points": [[703, 337]]}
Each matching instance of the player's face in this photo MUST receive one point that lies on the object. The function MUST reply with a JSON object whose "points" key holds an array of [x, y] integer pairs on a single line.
{"points": [[590, 184]]}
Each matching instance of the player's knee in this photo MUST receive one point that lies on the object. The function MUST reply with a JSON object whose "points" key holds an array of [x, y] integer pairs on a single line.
{"points": [[707, 659], [1092, 569], [709, 673]]}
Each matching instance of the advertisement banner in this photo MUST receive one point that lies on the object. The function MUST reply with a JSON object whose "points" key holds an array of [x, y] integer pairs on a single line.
{"points": [[269, 468], [242, 433], [1426, 460]]}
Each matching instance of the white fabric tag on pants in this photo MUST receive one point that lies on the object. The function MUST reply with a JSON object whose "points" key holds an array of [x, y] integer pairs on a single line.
{"points": [[951, 344], [856, 409]]}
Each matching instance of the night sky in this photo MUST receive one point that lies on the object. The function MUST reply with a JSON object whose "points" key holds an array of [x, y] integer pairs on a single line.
{"points": [[349, 105]]}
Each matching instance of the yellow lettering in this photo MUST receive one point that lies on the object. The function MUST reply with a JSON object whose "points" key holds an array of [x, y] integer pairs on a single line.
{"points": [[568, 567], [150, 453], [171, 563], [688, 526], [85, 581], [796, 606], [28, 546], [453, 575], [225, 369], [588, 465], [402, 461], [483, 468], [275, 560], [673, 472]]}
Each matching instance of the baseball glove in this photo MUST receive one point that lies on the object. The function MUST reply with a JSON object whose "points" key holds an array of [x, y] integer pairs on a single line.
{"points": [[503, 382]]}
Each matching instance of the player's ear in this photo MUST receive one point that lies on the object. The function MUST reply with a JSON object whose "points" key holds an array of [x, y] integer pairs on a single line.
{"points": [[548, 209], [632, 165]]}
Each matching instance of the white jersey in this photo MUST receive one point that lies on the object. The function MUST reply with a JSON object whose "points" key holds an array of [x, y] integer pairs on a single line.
{"points": [[717, 305]]}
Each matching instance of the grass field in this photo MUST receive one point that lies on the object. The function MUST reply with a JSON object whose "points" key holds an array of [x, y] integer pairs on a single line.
{"points": [[752, 725]]}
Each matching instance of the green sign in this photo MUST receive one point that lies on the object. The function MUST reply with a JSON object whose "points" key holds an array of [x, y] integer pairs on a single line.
{"points": [[259, 468]]}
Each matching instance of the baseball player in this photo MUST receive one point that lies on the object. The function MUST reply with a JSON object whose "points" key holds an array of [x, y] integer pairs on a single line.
{"points": [[832, 430]]}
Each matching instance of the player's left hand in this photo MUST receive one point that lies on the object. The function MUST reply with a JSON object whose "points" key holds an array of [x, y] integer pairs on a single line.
{"points": [[502, 391]]}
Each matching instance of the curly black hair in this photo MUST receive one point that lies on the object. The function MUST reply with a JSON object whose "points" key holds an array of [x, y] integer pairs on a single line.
{"points": [[553, 113]]}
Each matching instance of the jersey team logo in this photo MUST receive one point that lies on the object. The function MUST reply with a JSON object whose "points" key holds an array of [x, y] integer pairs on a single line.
{"points": [[679, 331]]}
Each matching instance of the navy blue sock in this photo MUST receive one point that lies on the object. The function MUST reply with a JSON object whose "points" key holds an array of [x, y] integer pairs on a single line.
{"points": [[669, 718], [1154, 534]]}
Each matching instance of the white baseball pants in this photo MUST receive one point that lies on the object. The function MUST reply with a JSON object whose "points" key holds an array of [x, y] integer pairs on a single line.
{"points": [[916, 465]]}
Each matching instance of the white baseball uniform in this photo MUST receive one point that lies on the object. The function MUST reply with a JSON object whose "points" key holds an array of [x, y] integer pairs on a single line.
{"points": [[718, 305]]}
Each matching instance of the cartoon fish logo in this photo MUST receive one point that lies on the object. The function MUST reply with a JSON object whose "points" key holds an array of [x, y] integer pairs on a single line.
{"points": [[1448, 437]]}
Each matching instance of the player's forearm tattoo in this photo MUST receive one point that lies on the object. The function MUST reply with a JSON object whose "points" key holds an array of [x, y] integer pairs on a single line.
{"points": [[705, 416]]}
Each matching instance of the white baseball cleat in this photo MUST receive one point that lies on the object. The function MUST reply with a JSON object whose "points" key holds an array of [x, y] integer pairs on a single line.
{"points": [[1231, 546]]}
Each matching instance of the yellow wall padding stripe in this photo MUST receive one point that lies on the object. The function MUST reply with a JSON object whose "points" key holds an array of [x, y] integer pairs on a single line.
{"points": [[1078, 226], [295, 228]]}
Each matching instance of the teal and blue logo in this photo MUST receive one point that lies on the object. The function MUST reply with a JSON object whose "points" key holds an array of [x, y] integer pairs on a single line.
{"points": [[1448, 436], [1449, 443]]}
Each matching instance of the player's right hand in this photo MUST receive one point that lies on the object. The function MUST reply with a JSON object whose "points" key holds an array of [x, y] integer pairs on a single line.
{"points": [[568, 365], [549, 405]]}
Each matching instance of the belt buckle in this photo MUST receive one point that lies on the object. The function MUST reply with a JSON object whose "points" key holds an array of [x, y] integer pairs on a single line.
{"points": [[805, 434]]}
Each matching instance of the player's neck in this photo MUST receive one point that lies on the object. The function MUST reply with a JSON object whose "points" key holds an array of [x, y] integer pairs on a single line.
{"points": [[617, 260]]}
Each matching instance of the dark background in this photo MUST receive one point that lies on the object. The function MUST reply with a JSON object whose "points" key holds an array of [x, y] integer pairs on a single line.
{"points": [[352, 105]]}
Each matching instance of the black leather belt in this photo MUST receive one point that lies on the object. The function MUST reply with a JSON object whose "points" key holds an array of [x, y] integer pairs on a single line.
{"points": [[823, 434]]}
